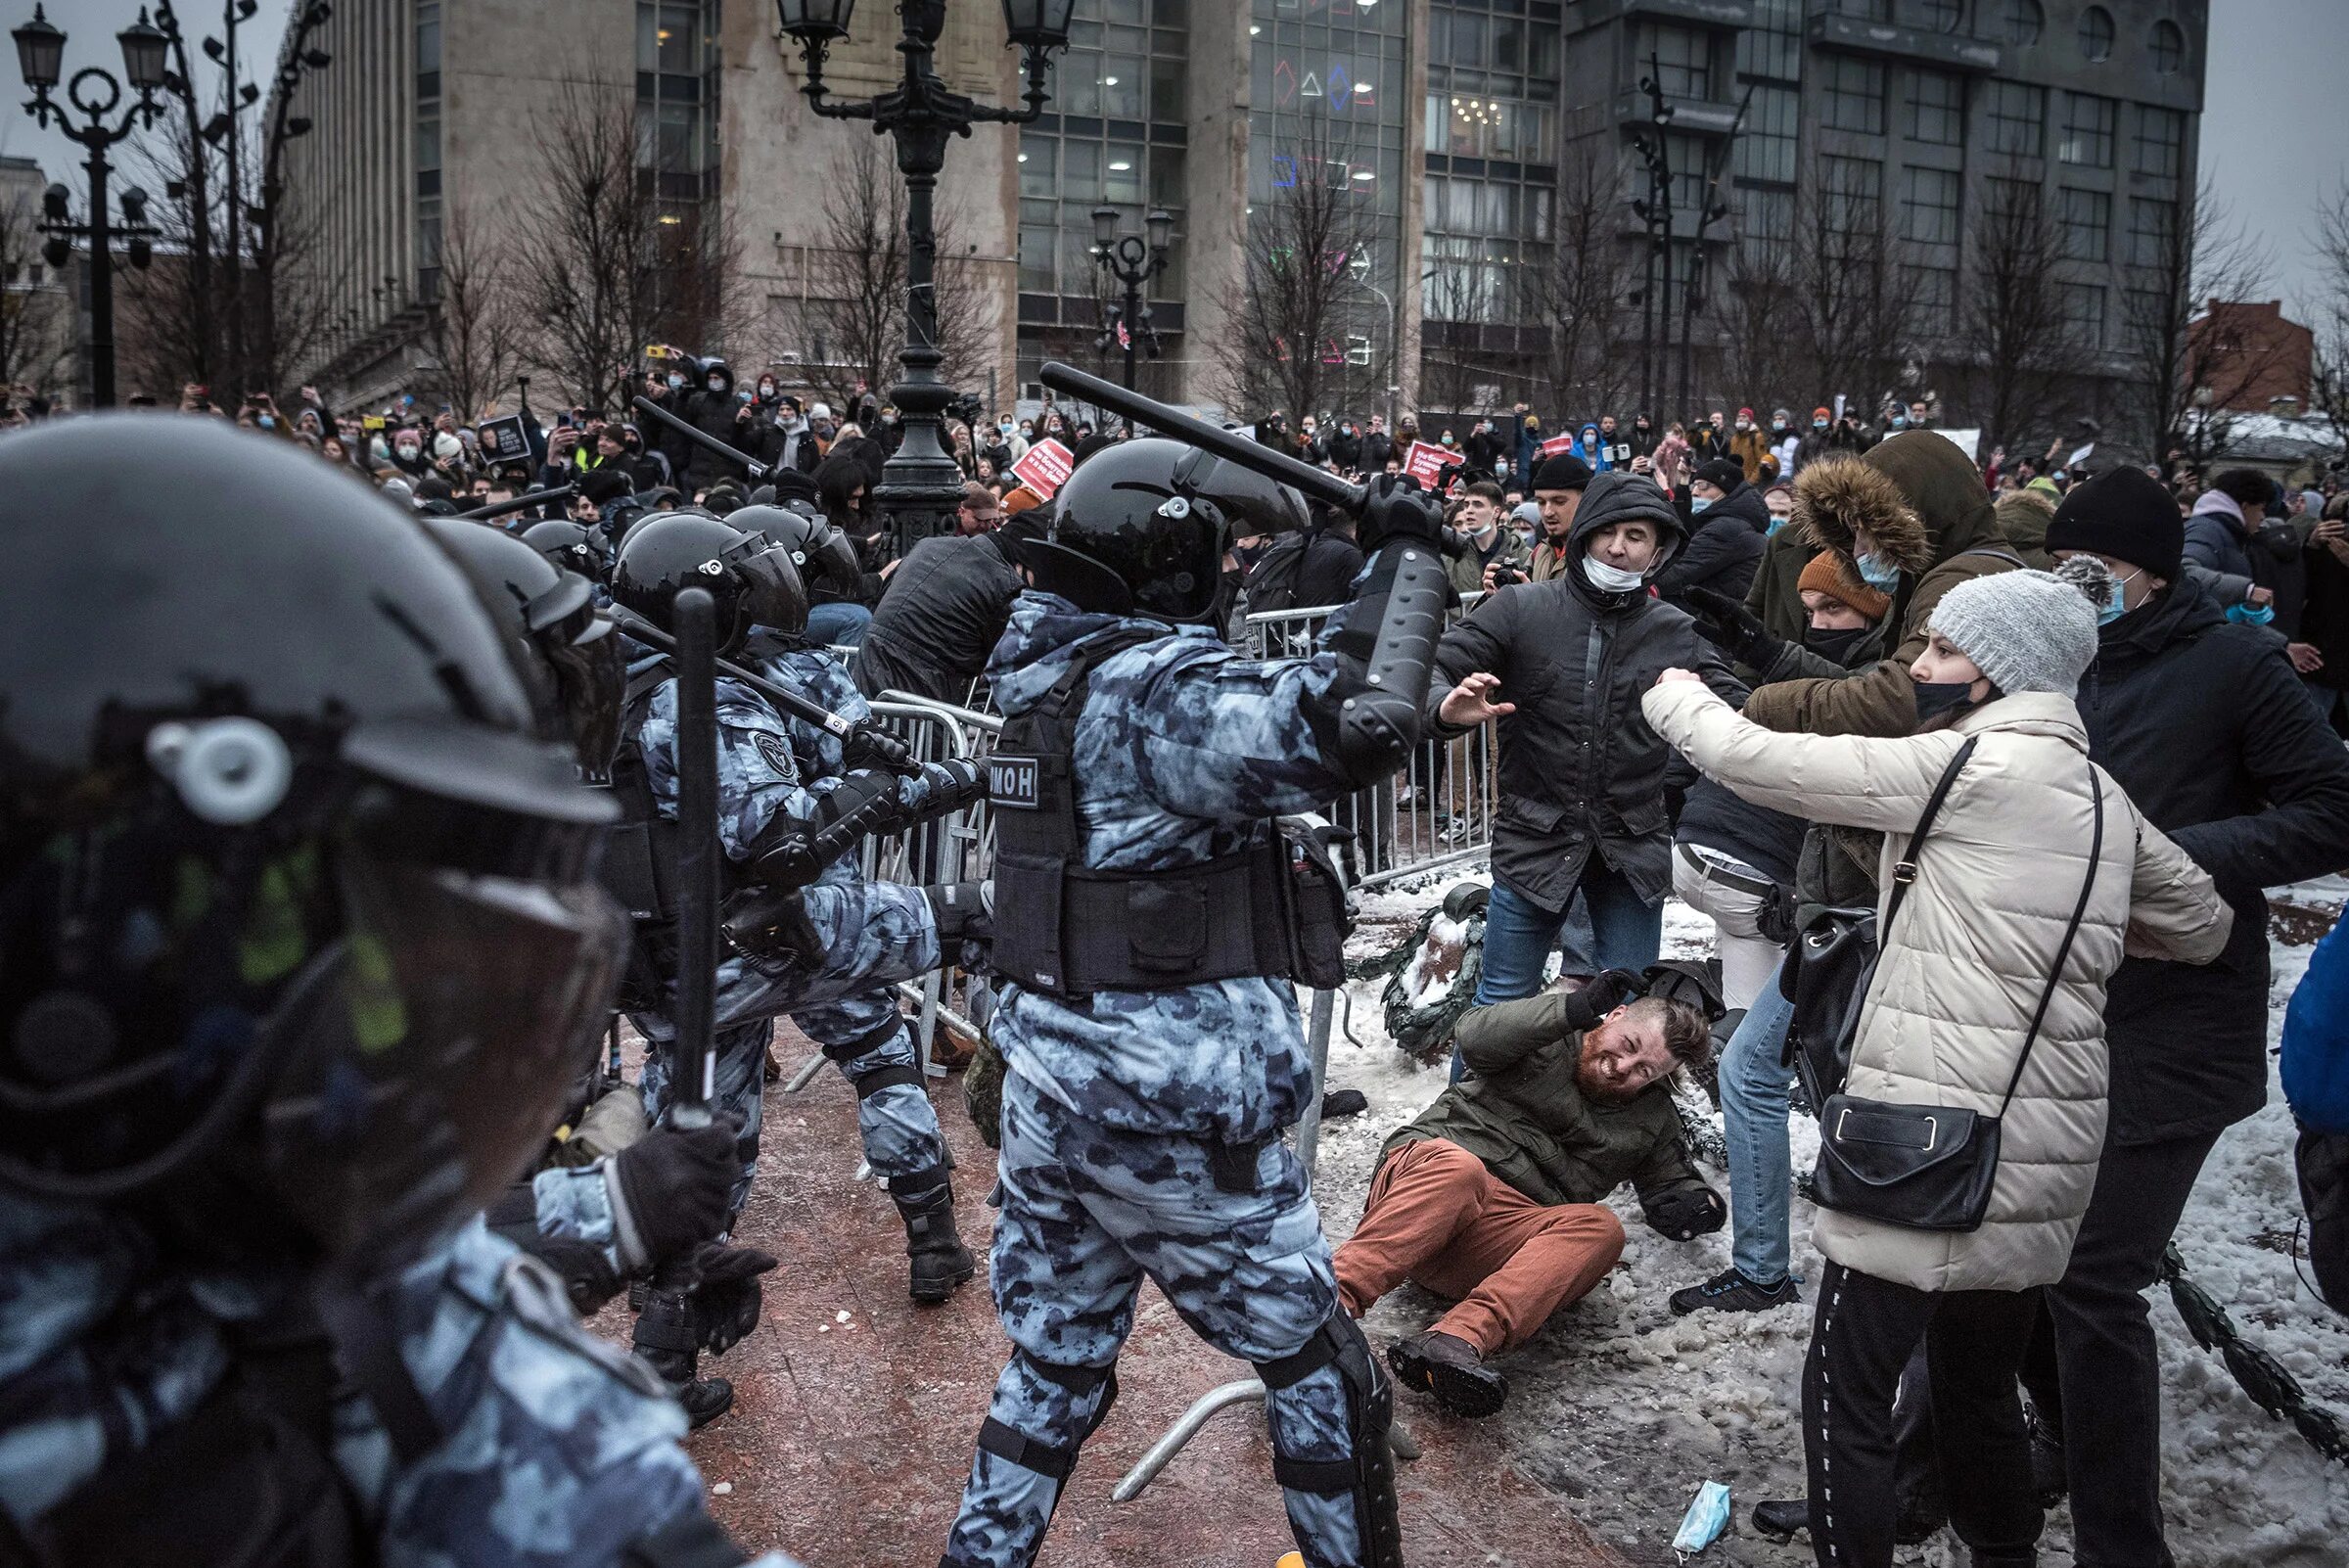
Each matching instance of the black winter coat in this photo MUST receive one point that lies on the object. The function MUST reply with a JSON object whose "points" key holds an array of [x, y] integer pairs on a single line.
{"points": [[941, 615], [1724, 549], [1581, 772], [2206, 726], [713, 414]]}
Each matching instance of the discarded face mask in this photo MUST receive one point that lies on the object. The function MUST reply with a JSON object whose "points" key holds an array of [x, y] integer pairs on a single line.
{"points": [[1707, 1517]]}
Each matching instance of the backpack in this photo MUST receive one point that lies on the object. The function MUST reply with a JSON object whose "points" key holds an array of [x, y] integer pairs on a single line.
{"points": [[1271, 583]]}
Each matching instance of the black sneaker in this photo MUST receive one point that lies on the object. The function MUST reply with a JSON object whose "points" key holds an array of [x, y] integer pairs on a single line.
{"points": [[1732, 1292], [1447, 1367], [1780, 1518]]}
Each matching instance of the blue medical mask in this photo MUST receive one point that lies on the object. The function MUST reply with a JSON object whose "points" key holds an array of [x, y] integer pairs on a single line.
{"points": [[1819, 423], [1707, 1517], [1697, 503], [676, 381], [1877, 571], [1900, 422], [1776, 523], [2244, 615], [2116, 600], [266, 422]]}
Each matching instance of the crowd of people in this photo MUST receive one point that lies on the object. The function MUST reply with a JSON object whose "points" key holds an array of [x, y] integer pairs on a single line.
{"points": [[329, 868]]}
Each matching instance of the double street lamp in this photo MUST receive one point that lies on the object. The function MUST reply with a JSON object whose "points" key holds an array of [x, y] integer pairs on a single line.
{"points": [[95, 94], [921, 484], [1131, 262]]}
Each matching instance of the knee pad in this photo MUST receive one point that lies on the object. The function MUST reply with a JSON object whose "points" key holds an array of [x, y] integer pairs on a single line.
{"points": [[872, 1081], [1048, 1459], [1368, 1476]]}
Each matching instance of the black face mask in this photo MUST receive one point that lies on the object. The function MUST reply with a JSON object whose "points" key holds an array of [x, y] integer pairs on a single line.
{"points": [[1838, 645], [1942, 700]]}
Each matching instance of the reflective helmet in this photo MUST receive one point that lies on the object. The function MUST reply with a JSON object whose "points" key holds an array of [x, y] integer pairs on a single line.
{"points": [[301, 946], [571, 659], [822, 552], [753, 582], [580, 548], [1142, 529]]}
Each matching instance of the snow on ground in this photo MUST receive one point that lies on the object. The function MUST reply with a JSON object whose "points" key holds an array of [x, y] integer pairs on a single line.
{"points": [[1627, 1409]]}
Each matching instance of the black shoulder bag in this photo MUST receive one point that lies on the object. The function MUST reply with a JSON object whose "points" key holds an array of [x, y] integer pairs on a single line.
{"points": [[1832, 962], [1931, 1166]]}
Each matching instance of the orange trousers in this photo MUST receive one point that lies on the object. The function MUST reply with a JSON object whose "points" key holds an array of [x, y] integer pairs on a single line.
{"points": [[1438, 1218]]}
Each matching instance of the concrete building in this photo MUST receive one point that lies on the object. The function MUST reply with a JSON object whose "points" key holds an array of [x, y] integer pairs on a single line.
{"points": [[1482, 146], [43, 309]]}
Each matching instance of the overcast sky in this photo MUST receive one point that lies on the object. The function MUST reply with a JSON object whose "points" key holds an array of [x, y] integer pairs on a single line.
{"points": [[2274, 120]]}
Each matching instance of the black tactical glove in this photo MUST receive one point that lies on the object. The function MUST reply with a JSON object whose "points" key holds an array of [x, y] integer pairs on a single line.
{"points": [[1734, 630], [671, 1189], [963, 782], [771, 923], [1686, 1213], [726, 1299], [1399, 509], [867, 745], [1605, 992]]}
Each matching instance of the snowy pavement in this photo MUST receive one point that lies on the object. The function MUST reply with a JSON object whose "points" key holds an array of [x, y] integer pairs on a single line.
{"points": [[1627, 1409]]}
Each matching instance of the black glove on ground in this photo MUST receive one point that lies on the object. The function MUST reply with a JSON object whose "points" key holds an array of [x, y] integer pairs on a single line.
{"points": [[1686, 1213], [725, 1301], [675, 1187], [1734, 628]]}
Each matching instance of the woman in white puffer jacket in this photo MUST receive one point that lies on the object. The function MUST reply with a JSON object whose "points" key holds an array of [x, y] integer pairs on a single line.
{"points": [[1964, 967]]}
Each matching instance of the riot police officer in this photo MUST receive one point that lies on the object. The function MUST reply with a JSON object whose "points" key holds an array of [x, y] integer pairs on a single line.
{"points": [[1151, 920], [299, 950]]}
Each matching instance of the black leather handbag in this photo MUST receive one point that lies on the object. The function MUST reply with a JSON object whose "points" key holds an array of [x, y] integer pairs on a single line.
{"points": [[1932, 1167], [1832, 961]]}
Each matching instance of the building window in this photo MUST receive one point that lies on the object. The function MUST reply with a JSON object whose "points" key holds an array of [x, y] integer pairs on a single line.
{"points": [[1769, 52], [1941, 16], [1929, 205], [1854, 194], [2168, 47], [2023, 21], [2087, 131], [1766, 149], [2018, 118], [2087, 224], [1934, 292], [2096, 34], [1855, 95], [1866, 10], [2152, 232], [427, 148], [1465, 125], [1936, 108], [677, 99], [1769, 214], [2084, 313], [1682, 58], [2160, 141]]}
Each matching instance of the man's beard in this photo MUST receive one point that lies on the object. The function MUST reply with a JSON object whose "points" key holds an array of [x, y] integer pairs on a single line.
{"points": [[1595, 1090]]}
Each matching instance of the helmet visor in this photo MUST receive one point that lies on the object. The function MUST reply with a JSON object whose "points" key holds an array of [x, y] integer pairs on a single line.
{"points": [[772, 594]]}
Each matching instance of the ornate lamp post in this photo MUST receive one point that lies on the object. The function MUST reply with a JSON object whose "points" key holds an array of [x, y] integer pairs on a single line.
{"points": [[1655, 215], [921, 486], [94, 93], [1131, 261]]}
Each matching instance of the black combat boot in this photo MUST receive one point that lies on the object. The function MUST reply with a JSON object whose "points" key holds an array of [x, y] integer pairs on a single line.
{"points": [[1450, 1368], [668, 1339], [925, 1201]]}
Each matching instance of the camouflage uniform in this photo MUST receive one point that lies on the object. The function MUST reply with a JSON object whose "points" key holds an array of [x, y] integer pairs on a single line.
{"points": [[1184, 752], [875, 933], [558, 1451]]}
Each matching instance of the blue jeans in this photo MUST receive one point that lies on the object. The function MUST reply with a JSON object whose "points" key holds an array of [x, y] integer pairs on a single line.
{"points": [[1753, 1114], [838, 625], [1626, 932]]}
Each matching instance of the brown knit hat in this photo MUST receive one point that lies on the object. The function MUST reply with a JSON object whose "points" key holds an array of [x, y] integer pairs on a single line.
{"points": [[1828, 574]]}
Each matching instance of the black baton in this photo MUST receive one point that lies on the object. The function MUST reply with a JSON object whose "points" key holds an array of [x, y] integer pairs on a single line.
{"points": [[758, 470], [696, 1055]]}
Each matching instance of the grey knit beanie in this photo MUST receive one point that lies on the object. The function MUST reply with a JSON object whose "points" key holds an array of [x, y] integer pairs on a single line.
{"points": [[2026, 630]]}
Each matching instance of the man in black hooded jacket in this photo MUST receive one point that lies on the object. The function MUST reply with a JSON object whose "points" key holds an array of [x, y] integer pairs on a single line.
{"points": [[1727, 524]]}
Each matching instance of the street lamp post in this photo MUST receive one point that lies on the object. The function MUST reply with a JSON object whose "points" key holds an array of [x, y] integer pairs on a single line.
{"points": [[94, 93], [920, 484], [1656, 214], [1131, 261]]}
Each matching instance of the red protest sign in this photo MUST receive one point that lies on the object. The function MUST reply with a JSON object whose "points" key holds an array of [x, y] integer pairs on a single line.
{"points": [[1045, 469], [1425, 462], [1554, 446]]}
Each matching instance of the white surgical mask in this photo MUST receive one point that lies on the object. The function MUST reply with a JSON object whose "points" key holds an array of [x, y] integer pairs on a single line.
{"points": [[717, 384], [1611, 578]]}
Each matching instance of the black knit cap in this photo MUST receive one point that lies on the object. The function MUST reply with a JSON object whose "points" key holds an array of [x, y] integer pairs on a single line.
{"points": [[1722, 474], [2125, 515], [1562, 472]]}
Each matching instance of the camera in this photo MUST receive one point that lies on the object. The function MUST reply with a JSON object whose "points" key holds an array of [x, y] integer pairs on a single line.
{"points": [[965, 408], [1504, 575], [1621, 453]]}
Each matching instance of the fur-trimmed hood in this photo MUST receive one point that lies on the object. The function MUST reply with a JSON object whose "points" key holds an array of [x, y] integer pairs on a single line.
{"points": [[1916, 492]]}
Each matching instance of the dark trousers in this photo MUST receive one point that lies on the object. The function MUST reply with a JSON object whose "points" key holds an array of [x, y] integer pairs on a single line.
{"points": [[2108, 1402], [1863, 1333]]}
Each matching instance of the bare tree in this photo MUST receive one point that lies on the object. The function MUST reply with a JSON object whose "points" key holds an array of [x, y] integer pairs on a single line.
{"points": [[2189, 372], [1288, 349], [1855, 291], [1578, 296], [855, 316], [36, 318], [1762, 323], [2329, 388], [476, 334], [2014, 314]]}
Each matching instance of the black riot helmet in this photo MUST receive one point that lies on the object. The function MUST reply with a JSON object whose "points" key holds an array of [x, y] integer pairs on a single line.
{"points": [[299, 940], [1142, 528], [822, 552], [571, 659], [753, 582], [580, 548]]}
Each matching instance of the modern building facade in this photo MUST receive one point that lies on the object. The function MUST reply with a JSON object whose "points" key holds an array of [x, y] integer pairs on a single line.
{"points": [[1484, 149]]}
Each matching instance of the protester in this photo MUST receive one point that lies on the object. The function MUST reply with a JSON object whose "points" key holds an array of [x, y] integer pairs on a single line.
{"points": [[1559, 486], [2028, 1049], [1728, 523], [1479, 547]]}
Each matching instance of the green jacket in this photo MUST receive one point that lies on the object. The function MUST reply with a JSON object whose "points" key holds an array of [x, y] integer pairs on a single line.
{"points": [[1523, 1115]]}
